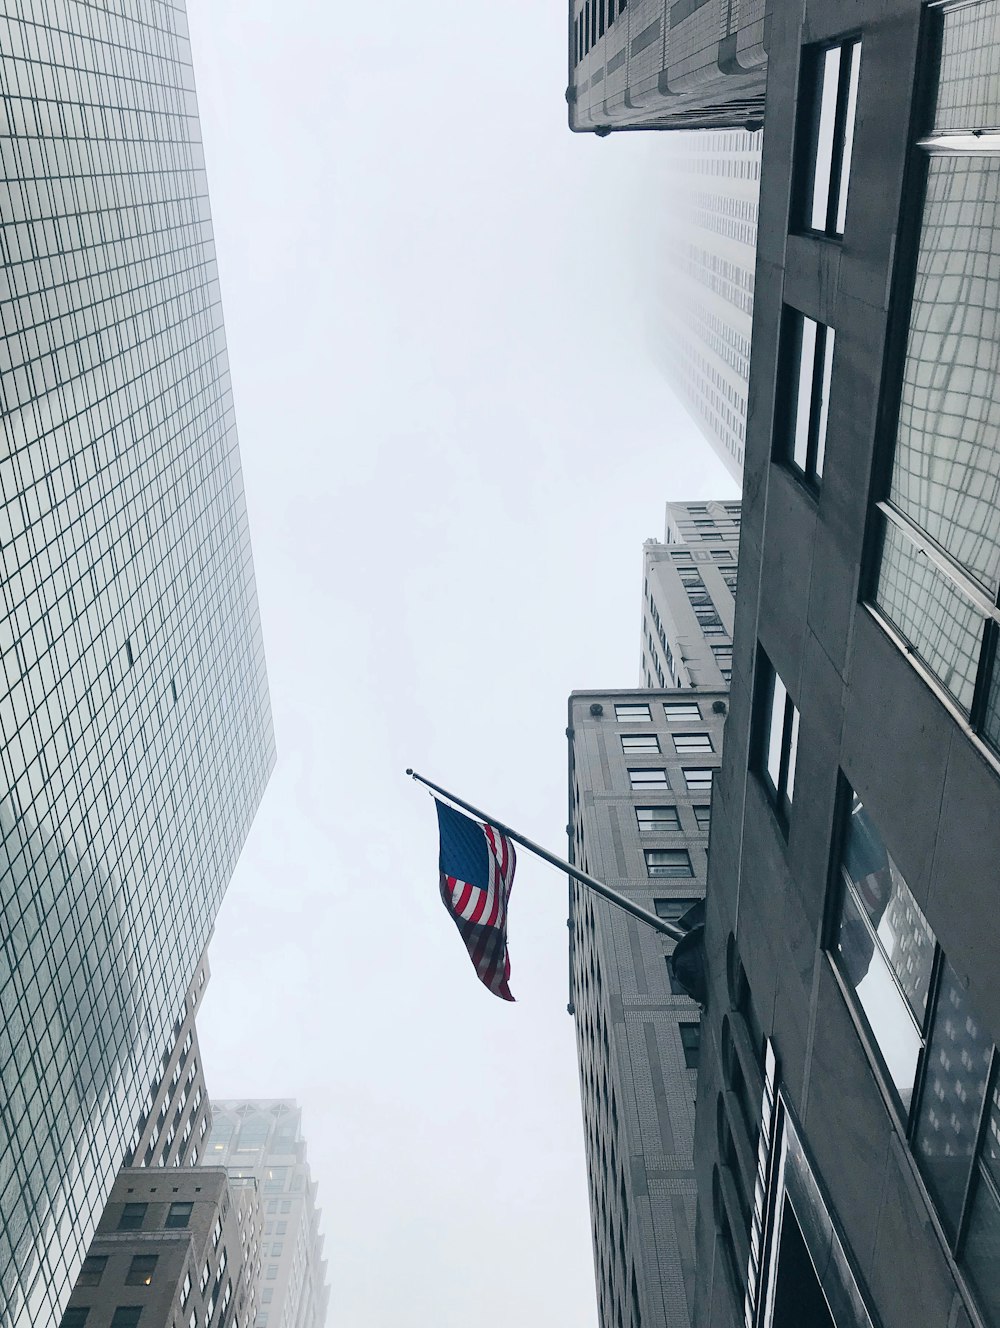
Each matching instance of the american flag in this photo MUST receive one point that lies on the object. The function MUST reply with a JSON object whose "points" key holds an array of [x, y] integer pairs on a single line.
{"points": [[477, 872]]}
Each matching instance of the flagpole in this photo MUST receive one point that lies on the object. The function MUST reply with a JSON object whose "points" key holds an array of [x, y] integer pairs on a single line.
{"points": [[612, 896]]}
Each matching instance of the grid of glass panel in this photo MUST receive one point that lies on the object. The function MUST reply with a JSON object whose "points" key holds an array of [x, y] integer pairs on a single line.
{"points": [[134, 719], [939, 570]]}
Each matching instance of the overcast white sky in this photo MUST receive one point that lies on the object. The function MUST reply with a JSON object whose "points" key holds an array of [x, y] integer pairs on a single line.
{"points": [[455, 439]]}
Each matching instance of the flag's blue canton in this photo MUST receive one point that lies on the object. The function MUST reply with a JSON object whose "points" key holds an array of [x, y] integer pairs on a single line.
{"points": [[477, 872], [464, 853]]}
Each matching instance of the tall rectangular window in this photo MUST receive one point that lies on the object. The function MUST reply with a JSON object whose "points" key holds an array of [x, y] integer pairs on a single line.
{"points": [[668, 862], [883, 947], [804, 378], [92, 1270], [657, 818], [179, 1214], [777, 738], [640, 742], [703, 815], [132, 1216], [141, 1270], [691, 1042], [829, 97]]}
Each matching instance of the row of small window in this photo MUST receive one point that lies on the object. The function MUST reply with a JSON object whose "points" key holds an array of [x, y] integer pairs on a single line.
{"points": [[675, 712], [697, 779], [633, 743], [592, 22], [140, 1272], [133, 1215], [664, 819], [125, 1316]]}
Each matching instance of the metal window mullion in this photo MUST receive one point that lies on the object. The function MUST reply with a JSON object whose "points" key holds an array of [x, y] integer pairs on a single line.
{"points": [[984, 675], [930, 1014], [941, 560], [847, 55], [812, 444], [787, 722], [970, 1182]]}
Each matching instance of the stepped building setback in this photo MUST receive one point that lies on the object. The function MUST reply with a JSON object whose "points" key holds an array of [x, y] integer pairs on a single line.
{"points": [[666, 64]]}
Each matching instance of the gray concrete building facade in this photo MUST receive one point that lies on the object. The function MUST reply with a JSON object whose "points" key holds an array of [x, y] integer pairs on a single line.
{"points": [[665, 64], [688, 596], [848, 1093], [173, 1249], [641, 766], [135, 732], [176, 1115], [262, 1140]]}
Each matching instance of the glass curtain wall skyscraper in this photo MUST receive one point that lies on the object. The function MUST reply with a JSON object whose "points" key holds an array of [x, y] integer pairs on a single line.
{"points": [[135, 733], [709, 188]]}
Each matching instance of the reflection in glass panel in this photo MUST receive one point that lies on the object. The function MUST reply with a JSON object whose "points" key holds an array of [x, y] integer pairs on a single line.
{"points": [[958, 1061], [793, 751], [944, 628], [803, 392], [776, 729], [824, 401], [969, 85], [849, 117], [981, 1251], [989, 1154], [889, 908], [946, 476], [829, 75], [867, 972]]}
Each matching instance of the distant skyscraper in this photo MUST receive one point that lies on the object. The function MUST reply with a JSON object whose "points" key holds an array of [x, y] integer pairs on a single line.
{"points": [[706, 256], [688, 590], [135, 734], [665, 64], [641, 769], [264, 1139]]}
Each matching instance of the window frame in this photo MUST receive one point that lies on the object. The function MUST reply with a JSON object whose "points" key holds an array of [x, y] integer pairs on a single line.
{"points": [[664, 826], [644, 744], [663, 783], [800, 438], [679, 866], [779, 788], [953, 1227], [813, 129], [672, 712], [688, 750], [626, 712], [132, 1221]]}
